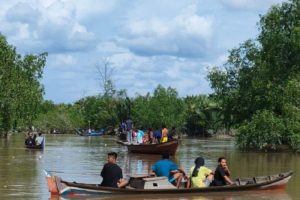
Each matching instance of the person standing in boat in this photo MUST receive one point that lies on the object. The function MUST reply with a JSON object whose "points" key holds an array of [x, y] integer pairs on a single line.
{"points": [[168, 168], [157, 135], [129, 126], [222, 174], [111, 173], [200, 176]]}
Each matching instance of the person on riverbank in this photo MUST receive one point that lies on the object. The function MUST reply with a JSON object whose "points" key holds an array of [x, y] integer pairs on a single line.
{"points": [[222, 174], [111, 173], [168, 168], [200, 176]]}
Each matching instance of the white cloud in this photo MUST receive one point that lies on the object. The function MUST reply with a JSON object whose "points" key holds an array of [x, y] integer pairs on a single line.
{"points": [[183, 35], [53, 28], [172, 43]]}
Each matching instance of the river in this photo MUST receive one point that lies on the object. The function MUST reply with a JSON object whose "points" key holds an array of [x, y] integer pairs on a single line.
{"points": [[80, 159]]}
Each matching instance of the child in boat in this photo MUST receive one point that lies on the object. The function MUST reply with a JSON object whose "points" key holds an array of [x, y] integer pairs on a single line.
{"points": [[201, 176]]}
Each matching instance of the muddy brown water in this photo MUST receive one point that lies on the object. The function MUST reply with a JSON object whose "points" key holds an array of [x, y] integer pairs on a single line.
{"points": [[80, 159]]}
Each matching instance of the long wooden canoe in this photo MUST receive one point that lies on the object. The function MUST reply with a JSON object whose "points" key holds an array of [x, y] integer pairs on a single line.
{"points": [[159, 148], [160, 185]]}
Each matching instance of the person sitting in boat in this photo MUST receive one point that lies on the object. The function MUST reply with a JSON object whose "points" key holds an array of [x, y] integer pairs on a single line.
{"points": [[164, 134], [222, 174], [133, 135], [151, 135], [30, 140], [171, 134], [200, 176], [168, 168], [39, 140], [111, 173], [146, 138], [139, 136]]}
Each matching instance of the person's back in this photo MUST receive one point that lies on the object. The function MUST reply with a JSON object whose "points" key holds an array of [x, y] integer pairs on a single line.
{"points": [[111, 174], [168, 168], [200, 176], [139, 136], [39, 140], [164, 167], [201, 179], [129, 124], [164, 134], [157, 135]]}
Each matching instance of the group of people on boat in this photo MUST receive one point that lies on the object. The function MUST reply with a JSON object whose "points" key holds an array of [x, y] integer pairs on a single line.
{"points": [[199, 176], [150, 136], [34, 139]]}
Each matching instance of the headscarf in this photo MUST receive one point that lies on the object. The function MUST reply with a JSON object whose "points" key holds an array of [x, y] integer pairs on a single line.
{"points": [[199, 162]]}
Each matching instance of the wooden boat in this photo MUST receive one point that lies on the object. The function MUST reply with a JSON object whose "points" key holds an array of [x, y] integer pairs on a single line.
{"points": [[160, 185], [91, 133], [40, 146], [159, 148]]}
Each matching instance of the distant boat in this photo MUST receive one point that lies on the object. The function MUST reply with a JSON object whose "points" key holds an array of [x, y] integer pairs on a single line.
{"points": [[161, 185], [89, 133], [39, 146], [158, 148]]}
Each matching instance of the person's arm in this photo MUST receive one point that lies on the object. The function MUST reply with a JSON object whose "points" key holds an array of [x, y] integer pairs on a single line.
{"points": [[227, 172], [103, 171], [152, 173], [228, 180]]}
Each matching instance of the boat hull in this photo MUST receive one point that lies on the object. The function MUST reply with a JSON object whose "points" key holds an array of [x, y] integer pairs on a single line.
{"points": [[40, 146], [170, 147], [72, 189]]}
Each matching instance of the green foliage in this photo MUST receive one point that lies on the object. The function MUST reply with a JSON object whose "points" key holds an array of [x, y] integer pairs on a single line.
{"points": [[263, 76], [264, 130], [163, 108], [63, 118], [20, 90], [201, 115]]}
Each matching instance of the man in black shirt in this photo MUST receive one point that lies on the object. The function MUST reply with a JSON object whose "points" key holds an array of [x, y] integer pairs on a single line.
{"points": [[112, 173], [222, 174]]}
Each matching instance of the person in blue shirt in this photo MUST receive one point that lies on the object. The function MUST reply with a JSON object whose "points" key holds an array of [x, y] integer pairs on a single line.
{"points": [[157, 135], [168, 168], [139, 136]]}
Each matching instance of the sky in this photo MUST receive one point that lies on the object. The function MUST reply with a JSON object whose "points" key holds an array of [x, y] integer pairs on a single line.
{"points": [[144, 42]]}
